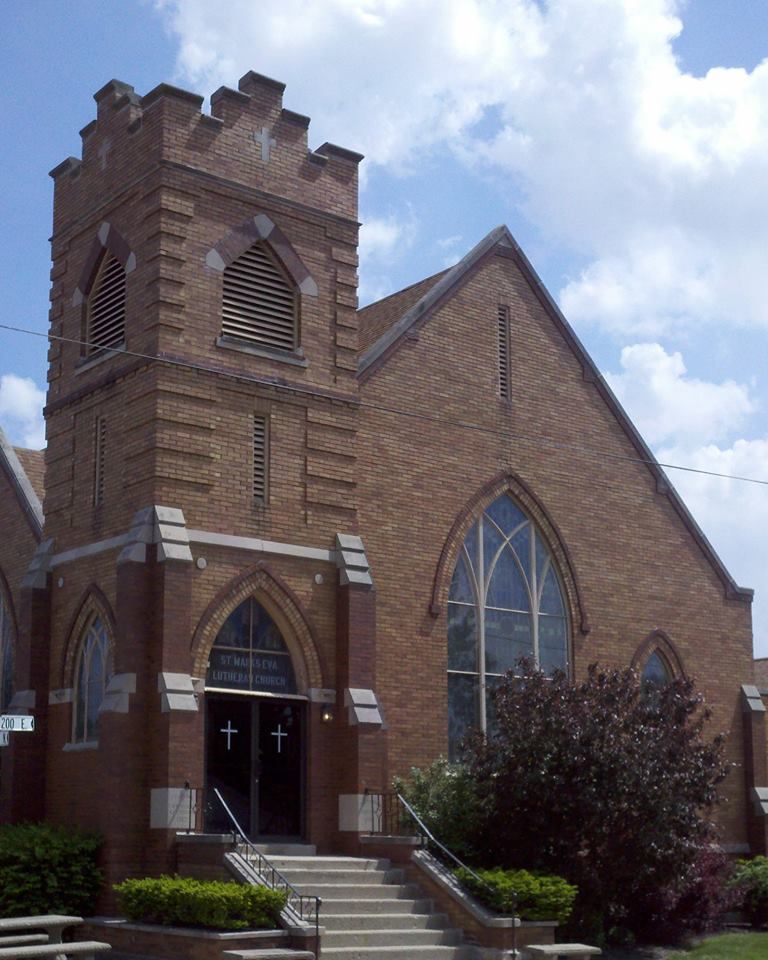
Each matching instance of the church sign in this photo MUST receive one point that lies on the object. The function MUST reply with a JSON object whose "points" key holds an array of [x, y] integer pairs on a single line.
{"points": [[242, 670]]}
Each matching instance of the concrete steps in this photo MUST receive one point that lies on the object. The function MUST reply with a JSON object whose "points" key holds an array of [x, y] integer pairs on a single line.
{"points": [[369, 912]]}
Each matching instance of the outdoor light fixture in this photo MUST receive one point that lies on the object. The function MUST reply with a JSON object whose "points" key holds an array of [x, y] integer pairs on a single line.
{"points": [[327, 715]]}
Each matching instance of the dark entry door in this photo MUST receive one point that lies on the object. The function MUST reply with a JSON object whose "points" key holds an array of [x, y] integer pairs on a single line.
{"points": [[255, 757]]}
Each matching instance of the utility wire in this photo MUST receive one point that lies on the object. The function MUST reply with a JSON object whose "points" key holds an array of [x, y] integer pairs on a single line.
{"points": [[384, 408]]}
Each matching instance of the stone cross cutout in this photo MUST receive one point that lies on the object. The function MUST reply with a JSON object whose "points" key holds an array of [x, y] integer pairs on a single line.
{"points": [[103, 151], [229, 730], [266, 142], [279, 733]]}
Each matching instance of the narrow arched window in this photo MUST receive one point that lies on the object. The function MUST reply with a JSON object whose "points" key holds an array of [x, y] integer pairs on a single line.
{"points": [[250, 655], [260, 302], [6, 654], [656, 672], [505, 602], [93, 672], [105, 309]]}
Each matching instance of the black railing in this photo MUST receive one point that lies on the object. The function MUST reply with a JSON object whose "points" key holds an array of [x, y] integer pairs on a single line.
{"points": [[194, 808], [392, 815], [307, 908]]}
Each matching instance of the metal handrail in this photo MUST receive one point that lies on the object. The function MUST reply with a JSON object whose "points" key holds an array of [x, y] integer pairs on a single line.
{"points": [[428, 835], [307, 907]]}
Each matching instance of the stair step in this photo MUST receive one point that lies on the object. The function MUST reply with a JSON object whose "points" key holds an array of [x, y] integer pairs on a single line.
{"points": [[273, 953], [304, 877], [396, 953], [405, 906], [389, 938], [286, 849], [284, 863], [378, 921], [359, 891]]}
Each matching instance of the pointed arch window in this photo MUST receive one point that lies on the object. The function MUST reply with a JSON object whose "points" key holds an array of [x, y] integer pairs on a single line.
{"points": [[93, 671], [260, 303], [656, 672], [249, 654], [6, 653], [105, 310], [505, 602]]}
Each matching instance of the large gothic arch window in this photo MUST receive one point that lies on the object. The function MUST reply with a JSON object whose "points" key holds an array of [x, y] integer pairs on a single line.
{"points": [[250, 654], [93, 671], [6, 652], [505, 602]]}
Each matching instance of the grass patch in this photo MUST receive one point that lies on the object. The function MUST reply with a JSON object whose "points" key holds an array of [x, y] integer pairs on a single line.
{"points": [[728, 946]]}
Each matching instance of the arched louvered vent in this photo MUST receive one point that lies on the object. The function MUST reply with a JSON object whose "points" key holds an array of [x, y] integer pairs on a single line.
{"points": [[259, 304], [106, 306]]}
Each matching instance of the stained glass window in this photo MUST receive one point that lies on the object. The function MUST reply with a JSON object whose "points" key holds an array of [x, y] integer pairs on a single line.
{"points": [[656, 673], [93, 673], [505, 602], [249, 654]]}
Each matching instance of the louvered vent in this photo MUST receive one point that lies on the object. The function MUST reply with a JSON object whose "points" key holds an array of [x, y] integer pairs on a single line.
{"points": [[99, 461], [259, 304], [503, 350], [260, 460], [106, 306]]}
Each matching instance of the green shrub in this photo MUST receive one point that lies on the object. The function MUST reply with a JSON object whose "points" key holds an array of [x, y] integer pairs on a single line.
{"points": [[750, 877], [215, 904], [443, 795], [47, 869], [531, 896]]}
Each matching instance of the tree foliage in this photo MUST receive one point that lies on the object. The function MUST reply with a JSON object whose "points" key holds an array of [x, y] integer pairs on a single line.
{"points": [[47, 869], [604, 782]]}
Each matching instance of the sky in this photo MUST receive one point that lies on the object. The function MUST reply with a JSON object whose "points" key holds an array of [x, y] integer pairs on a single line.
{"points": [[624, 143]]}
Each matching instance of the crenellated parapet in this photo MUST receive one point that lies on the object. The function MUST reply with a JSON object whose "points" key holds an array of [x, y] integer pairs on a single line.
{"points": [[248, 138]]}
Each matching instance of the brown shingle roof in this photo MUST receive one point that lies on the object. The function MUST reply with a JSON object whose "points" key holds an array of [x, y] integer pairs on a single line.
{"points": [[33, 462], [378, 317]]}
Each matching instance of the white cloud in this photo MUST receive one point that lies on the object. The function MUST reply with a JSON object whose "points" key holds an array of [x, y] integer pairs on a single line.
{"points": [[21, 410], [732, 513], [669, 407], [382, 241], [656, 175]]}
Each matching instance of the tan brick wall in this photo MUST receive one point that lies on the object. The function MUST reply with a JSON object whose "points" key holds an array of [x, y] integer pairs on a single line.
{"points": [[638, 567]]}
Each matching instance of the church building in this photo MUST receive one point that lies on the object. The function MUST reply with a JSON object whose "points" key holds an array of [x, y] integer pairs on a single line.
{"points": [[281, 548]]}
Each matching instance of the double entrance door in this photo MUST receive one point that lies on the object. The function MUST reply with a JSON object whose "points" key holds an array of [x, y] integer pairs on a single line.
{"points": [[255, 758]]}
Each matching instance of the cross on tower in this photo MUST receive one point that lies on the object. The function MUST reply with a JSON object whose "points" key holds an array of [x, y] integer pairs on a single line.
{"points": [[266, 142], [279, 733], [103, 151], [229, 730]]}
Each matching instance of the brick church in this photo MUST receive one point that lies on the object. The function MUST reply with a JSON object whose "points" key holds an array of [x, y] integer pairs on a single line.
{"points": [[281, 547]]}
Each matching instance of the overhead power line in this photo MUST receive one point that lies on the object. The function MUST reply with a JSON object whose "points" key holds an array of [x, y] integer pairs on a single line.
{"points": [[395, 411]]}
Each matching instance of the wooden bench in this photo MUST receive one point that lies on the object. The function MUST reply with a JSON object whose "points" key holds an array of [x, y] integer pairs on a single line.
{"points": [[577, 951], [87, 949]]}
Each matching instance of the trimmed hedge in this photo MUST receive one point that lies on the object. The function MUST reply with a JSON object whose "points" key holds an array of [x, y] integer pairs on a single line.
{"points": [[47, 869], [213, 904], [750, 879], [531, 896]]}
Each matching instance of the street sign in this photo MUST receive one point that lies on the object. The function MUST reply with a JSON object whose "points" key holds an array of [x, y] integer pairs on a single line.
{"points": [[16, 724], [5, 738]]}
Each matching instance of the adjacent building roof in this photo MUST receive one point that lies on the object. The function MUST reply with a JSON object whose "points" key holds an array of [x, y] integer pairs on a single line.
{"points": [[28, 486], [378, 317]]}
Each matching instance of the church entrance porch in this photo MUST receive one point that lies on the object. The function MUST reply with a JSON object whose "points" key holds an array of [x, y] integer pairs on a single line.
{"points": [[255, 757]]}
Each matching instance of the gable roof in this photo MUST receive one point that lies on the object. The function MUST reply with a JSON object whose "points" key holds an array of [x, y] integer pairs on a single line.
{"points": [[30, 500], [500, 242]]}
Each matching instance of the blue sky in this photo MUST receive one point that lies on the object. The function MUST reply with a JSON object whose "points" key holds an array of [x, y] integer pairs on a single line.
{"points": [[624, 142]]}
